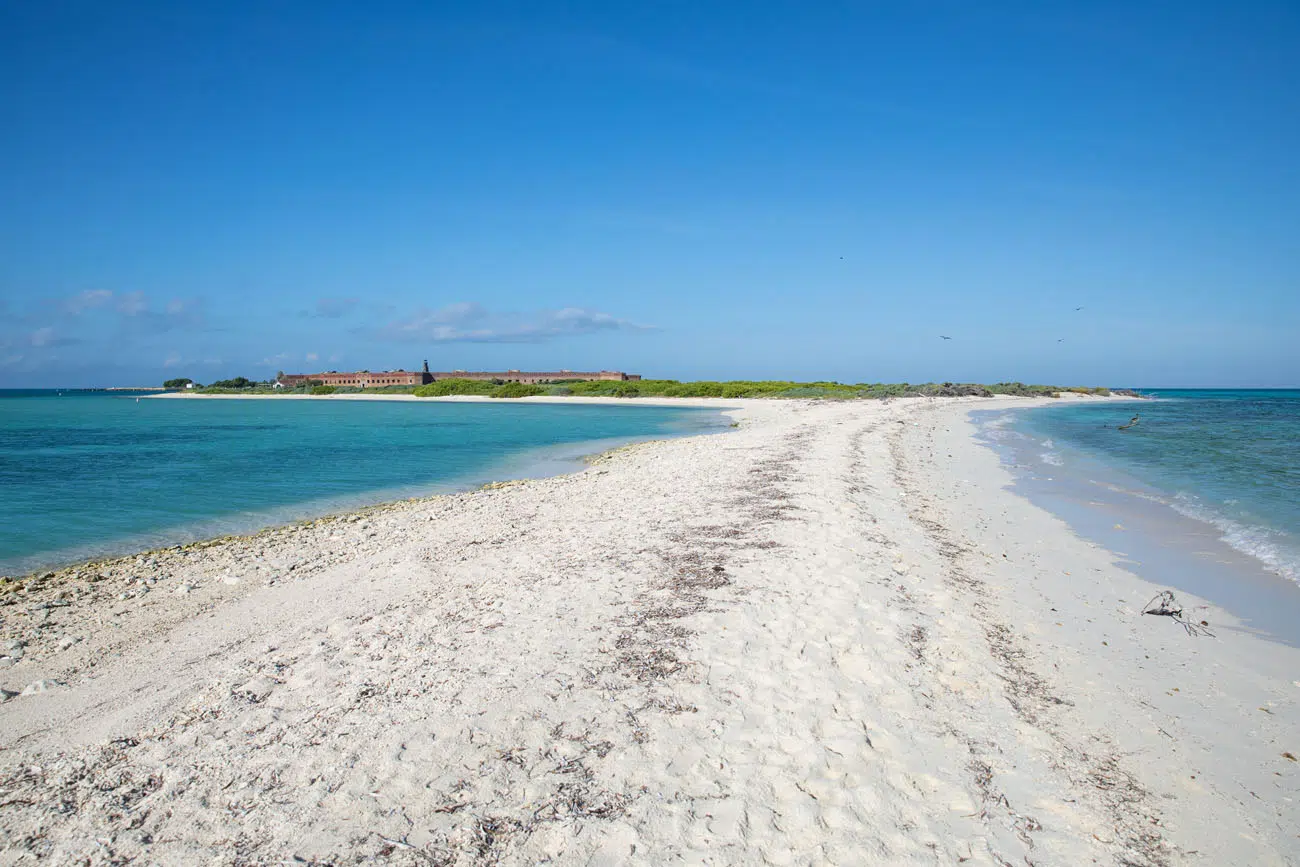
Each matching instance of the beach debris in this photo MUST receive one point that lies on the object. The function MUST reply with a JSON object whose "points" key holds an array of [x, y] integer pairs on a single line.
{"points": [[38, 686], [1131, 422], [1163, 604]]}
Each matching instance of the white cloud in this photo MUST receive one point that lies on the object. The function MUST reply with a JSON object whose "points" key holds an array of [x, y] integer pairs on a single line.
{"points": [[135, 308], [49, 337], [132, 304], [173, 359], [470, 323], [311, 356], [87, 300]]}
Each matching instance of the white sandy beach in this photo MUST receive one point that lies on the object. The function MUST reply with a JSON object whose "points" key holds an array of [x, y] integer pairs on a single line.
{"points": [[827, 637]]}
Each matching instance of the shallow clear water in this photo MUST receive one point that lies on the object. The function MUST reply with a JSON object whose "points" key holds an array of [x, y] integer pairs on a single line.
{"points": [[91, 473], [1229, 458], [1201, 494]]}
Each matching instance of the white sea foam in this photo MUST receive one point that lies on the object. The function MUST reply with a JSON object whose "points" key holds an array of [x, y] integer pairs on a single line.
{"points": [[1268, 546], [1051, 459], [1263, 544]]}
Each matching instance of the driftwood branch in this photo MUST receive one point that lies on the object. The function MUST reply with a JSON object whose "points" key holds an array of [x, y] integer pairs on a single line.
{"points": [[1165, 605]]}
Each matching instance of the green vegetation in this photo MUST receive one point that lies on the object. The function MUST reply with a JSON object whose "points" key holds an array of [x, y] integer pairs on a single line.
{"points": [[814, 390], [237, 382], [177, 383], [733, 389], [516, 389], [446, 387]]}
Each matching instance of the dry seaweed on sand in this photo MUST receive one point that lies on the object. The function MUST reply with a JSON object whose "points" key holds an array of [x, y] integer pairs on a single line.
{"points": [[1163, 604]]}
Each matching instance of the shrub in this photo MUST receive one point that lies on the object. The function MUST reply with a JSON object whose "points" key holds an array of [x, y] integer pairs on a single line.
{"points": [[323, 389], [177, 383], [516, 389], [445, 387], [237, 382], [626, 389]]}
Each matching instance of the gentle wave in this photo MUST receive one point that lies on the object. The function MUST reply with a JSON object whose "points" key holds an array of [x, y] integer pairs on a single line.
{"points": [[1260, 543]]}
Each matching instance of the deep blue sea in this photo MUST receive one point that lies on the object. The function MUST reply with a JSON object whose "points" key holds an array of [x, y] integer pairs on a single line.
{"points": [[87, 474], [1213, 474]]}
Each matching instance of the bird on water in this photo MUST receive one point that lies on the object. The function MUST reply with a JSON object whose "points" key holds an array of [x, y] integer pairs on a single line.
{"points": [[1131, 422]]}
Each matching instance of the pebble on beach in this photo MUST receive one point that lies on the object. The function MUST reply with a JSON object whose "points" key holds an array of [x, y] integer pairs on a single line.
{"points": [[39, 686]]}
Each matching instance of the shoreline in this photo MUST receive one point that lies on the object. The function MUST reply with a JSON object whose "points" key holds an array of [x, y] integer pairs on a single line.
{"points": [[541, 458], [724, 406], [833, 631], [1141, 526]]}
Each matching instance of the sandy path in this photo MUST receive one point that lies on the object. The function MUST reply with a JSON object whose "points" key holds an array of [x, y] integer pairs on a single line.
{"points": [[798, 643]]}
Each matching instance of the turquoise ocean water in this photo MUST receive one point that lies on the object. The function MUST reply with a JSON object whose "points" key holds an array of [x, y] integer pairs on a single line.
{"points": [[1210, 479], [86, 474]]}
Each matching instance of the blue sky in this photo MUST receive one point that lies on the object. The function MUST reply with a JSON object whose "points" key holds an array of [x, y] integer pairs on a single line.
{"points": [[686, 190]]}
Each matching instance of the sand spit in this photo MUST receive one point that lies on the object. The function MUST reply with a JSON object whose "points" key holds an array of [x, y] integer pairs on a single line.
{"points": [[829, 637]]}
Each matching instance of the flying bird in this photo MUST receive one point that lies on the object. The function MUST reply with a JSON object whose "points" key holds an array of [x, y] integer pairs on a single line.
{"points": [[944, 337], [1060, 340], [1077, 309]]}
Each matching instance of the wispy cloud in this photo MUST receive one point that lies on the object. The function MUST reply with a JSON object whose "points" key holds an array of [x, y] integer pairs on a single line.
{"points": [[88, 300], [332, 308], [48, 336], [176, 314], [282, 357], [467, 322], [135, 310], [176, 359], [132, 304]]}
